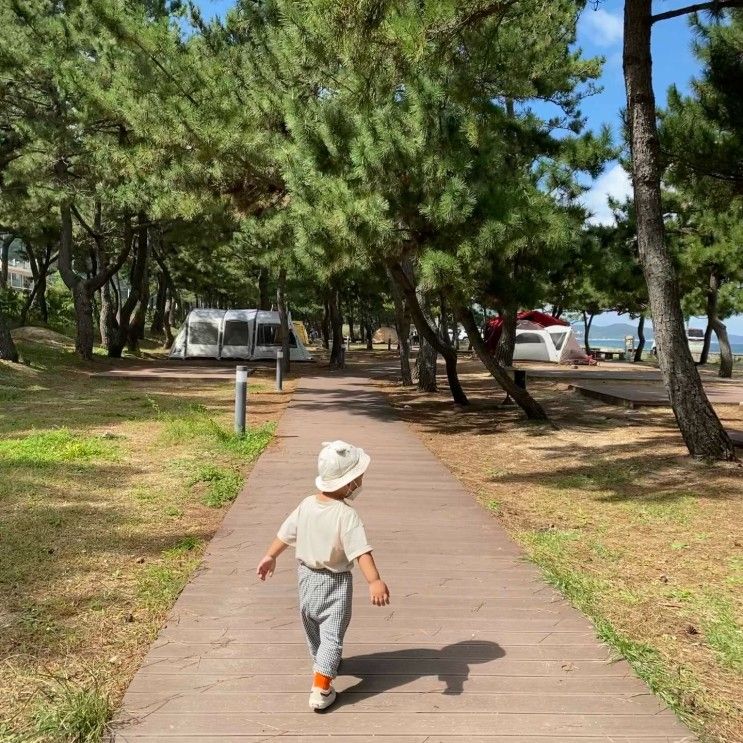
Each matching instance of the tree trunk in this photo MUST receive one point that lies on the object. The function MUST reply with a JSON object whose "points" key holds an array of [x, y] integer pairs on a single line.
{"points": [[158, 314], [640, 338], [84, 336], [325, 325], [27, 305], [523, 399], [715, 324], [169, 319], [704, 355], [336, 326], [139, 316], [402, 335], [83, 290], [351, 321], [41, 302], [587, 322], [726, 353], [425, 331], [40, 264], [4, 257], [8, 351], [108, 316], [426, 363], [369, 335], [700, 427], [507, 342], [264, 298], [123, 329], [455, 333]]}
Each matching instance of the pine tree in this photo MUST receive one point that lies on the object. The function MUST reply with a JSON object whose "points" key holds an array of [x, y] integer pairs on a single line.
{"points": [[700, 427], [702, 139]]}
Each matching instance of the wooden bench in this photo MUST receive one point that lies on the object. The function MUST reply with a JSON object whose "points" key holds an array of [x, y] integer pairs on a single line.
{"points": [[599, 353]]}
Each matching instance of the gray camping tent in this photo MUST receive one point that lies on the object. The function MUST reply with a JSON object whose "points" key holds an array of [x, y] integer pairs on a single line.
{"points": [[234, 334]]}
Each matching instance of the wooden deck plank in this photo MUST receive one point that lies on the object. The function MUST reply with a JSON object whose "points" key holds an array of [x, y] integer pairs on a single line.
{"points": [[379, 723], [474, 647]]}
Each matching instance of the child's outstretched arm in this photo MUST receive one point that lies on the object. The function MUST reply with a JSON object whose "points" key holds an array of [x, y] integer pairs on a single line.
{"points": [[378, 591], [268, 564]]}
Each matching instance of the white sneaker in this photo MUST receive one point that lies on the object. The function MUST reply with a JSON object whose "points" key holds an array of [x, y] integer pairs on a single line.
{"points": [[320, 699]]}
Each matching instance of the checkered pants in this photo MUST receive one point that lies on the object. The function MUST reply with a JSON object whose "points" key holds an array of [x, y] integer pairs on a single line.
{"points": [[325, 608]]}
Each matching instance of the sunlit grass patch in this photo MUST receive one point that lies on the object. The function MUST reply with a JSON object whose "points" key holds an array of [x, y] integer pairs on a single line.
{"points": [[604, 552], [602, 476], [675, 507], [160, 584], [736, 571], [53, 447], [722, 631], [222, 485], [547, 549], [10, 394], [92, 493], [195, 424], [67, 712], [494, 505]]}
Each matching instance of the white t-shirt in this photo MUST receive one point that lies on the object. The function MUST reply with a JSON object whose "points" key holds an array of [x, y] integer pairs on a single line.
{"points": [[327, 535]]}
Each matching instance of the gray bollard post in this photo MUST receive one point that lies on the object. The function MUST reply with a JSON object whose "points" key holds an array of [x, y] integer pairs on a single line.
{"points": [[279, 370], [348, 343], [241, 398]]}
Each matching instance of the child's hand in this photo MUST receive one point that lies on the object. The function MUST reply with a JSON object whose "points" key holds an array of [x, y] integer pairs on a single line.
{"points": [[379, 593], [266, 567]]}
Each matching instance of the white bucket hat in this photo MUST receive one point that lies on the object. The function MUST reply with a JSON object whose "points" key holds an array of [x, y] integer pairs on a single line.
{"points": [[338, 464]]}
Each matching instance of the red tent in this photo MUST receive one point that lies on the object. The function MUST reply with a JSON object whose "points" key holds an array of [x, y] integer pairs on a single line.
{"points": [[494, 326]]}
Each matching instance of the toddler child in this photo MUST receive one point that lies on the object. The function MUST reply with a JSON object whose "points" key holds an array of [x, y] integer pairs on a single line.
{"points": [[328, 536]]}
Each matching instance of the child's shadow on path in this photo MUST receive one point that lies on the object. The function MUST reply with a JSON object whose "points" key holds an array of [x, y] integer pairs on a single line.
{"points": [[384, 671]]}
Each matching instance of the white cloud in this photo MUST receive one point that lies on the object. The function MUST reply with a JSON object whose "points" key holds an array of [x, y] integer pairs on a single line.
{"points": [[615, 183], [602, 28]]}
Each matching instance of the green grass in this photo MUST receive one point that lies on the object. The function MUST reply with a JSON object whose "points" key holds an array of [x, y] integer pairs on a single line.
{"points": [[54, 446], [223, 485], [160, 583], [194, 423], [736, 571], [70, 713], [604, 552], [602, 476], [673, 507], [91, 499], [549, 550], [723, 633]]}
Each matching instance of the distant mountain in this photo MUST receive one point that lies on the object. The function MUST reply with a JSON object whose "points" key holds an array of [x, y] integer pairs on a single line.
{"points": [[616, 332]]}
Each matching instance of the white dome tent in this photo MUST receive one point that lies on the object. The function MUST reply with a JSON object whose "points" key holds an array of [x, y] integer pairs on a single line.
{"points": [[555, 343], [539, 337], [234, 334]]}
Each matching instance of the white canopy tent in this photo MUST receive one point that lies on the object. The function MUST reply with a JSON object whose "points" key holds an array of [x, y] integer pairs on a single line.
{"points": [[234, 334], [555, 343]]}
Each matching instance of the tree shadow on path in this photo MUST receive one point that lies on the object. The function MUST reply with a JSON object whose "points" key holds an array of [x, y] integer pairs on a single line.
{"points": [[384, 671]]}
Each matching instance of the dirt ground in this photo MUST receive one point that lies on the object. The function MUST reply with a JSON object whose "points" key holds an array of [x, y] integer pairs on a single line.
{"points": [[640, 537]]}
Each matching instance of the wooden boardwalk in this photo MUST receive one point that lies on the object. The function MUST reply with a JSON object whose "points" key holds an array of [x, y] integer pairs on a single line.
{"points": [[474, 647]]}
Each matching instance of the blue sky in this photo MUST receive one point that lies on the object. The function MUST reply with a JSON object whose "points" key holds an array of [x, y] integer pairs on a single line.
{"points": [[600, 34]]}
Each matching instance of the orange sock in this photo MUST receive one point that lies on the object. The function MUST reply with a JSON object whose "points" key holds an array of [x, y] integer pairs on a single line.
{"points": [[322, 682]]}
